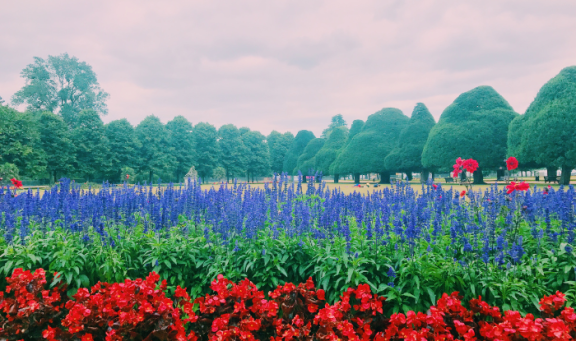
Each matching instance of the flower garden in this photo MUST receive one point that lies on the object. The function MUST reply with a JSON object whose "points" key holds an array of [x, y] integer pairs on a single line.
{"points": [[183, 263]]}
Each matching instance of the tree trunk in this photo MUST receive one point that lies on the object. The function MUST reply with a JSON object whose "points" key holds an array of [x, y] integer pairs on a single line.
{"points": [[551, 171], [385, 177], [356, 178], [409, 176], [424, 175], [478, 177], [150, 176], [303, 178], [499, 174], [336, 178], [565, 177]]}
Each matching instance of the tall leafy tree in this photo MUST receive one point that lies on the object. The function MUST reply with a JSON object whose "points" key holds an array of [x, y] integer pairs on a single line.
{"points": [[155, 154], [257, 154], [181, 143], [307, 161], [474, 126], [297, 148], [232, 151], [124, 147], [20, 142], [407, 156], [91, 145], [206, 147], [335, 166], [367, 150], [56, 142], [278, 144], [61, 84], [336, 122], [328, 153], [545, 134]]}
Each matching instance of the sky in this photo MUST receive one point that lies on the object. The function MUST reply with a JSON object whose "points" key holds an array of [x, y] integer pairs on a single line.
{"points": [[292, 65]]}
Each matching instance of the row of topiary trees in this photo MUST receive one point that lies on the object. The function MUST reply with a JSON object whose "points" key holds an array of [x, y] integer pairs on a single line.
{"points": [[479, 124]]}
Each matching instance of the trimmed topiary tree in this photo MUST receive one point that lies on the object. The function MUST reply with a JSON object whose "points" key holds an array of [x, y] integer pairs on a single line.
{"points": [[474, 126], [407, 156], [367, 150], [297, 148], [307, 161], [545, 135], [354, 130], [328, 153]]}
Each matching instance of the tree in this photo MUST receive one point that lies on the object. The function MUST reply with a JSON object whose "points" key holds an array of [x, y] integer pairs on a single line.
{"points": [[8, 171], [545, 135], [124, 148], [1, 101], [335, 166], [328, 153], [181, 143], [474, 126], [91, 145], [306, 161], [367, 150], [56, 142], [63, 85], [257, 154], [407, 156], [20, 142], [296, 149], [155, 154], [278, 144], [205, 144], [219, 174], [337, 121], [232, 151]]}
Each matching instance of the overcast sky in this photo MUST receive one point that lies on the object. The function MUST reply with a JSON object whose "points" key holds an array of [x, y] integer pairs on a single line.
{"points": [[292, 65]]}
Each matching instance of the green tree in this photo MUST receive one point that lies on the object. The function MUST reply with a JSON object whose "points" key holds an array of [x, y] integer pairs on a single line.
{"points": [[91, 145], [367, 150], [307, 161], [61, 84], [181, 143], [56, 142], [354, 130], [257, 154], [155, 154], [474, 126], [336, 122], [124, 148], [328, 153], [20, 142], [296, 149], [407, 156], [545, 134], [206, 147], [219, 173], [278, 144], [232, 151], [8, 171]]}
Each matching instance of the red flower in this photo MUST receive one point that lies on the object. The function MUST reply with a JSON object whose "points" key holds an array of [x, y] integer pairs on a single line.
{"points": [[320, 294], [463, 193], [523, 186], [16, 183], [511, 163], [470, 165], [434, 186]]}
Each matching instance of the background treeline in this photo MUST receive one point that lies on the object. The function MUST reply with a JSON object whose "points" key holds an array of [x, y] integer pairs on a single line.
{"points": [[62, 134]]}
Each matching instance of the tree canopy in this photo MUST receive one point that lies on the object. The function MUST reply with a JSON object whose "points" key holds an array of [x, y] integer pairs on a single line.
{"points": [[181, 144], [329, 151], [155, 151], [207, 152], [297, 148], [124, 147], [278, 144], [545, 134], [232, 151], [257, 155], [474, 126], [91, 145], [367, 150], [306, 161], [56, 142], [336, 121], [407, 156]]}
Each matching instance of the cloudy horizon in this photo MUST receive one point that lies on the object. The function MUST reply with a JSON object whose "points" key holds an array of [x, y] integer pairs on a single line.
{"points": [[292, 65]]}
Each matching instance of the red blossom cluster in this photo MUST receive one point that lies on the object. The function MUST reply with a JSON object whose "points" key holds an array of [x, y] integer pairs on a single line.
{"points": [[470, 165], [16, 183], [517, 186], [511, 163], [139, 310]]}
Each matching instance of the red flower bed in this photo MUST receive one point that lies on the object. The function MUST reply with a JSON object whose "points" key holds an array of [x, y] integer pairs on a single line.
{"points": [[140, 310]]}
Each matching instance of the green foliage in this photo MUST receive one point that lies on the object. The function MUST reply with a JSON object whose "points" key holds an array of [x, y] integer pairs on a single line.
{"points": [[232, 151], [307, 161], [56, 142], [367, 150], [336, 122], [219, 173], [407, 156], [61, 84], [181, 144], [124, 148], [7, 172], [474, 126], [257, 155], [20, 142], [91, 145], [354, 130], [278, 144], [155, 151], [128, 171], [328, 153], [297, 148], [545, 135], [206, 147]]}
